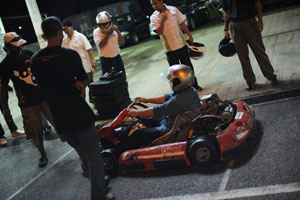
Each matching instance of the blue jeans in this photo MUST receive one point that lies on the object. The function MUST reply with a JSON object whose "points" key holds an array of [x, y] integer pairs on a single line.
{"points": [[85, 142]]}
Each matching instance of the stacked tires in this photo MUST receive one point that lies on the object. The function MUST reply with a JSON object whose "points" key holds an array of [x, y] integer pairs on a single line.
{"points": [[110, 96]]}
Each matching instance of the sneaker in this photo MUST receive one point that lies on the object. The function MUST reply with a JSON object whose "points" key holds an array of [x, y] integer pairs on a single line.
{"points": [[43, 161], [3, 141], [17, 133]]}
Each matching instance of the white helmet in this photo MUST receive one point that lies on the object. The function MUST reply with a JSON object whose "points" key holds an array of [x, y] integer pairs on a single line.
{"points": [[103, 20], [197, 50], [181, 76]]}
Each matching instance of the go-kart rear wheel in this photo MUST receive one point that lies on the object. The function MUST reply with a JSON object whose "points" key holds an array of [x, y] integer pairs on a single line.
{"points": [[110, 162], [203, 153]]}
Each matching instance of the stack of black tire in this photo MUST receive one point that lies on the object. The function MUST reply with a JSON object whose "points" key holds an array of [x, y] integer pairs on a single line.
{"points": [[110, 96]]}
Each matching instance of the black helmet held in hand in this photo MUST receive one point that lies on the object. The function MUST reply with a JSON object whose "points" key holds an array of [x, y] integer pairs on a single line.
{"points": [[196, 50], [227, 48]]}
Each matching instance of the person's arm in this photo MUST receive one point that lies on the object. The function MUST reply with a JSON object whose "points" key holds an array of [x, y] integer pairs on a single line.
{"points": [[160, 28], [187, 31], [105, 39], [226, 24], [91, 54], [147, 112], [120, 36], [156, 100], [260, 25]]}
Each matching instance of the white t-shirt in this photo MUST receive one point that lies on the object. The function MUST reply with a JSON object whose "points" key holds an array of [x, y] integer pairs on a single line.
{"points": [[172, 36], [111, 49], [79, 43]]}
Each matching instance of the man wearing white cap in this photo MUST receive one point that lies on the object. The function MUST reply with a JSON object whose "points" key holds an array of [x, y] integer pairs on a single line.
{"points": [[16, 67]]}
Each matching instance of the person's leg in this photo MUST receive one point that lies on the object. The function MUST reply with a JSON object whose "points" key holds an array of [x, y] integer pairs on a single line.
{"points": [[240, 41], [106, 65], [90, 147], [142, 137], [173, 57], [46, 126], [185, 59], [119, 65], [11, 124], [257, 46], [33, 125]]}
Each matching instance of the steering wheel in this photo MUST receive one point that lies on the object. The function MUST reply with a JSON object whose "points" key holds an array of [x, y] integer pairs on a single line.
{"points": [[136, 106]]}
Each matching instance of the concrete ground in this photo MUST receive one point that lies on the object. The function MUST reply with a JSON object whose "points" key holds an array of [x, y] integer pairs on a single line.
{"points": [[269, 169]]}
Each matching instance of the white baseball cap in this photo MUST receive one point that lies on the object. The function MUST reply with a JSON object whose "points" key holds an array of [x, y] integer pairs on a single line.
{"points": [[13, 39]]}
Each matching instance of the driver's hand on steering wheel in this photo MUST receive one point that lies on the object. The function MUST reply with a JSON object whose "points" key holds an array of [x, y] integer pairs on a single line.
{"points": [[132, 112], [140, 100]]}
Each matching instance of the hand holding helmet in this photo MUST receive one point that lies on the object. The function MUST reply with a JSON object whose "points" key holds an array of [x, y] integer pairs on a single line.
{"points": [[226, 48], [196, 50]]}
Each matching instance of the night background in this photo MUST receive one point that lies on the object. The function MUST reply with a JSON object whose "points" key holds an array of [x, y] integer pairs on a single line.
{"points": [[14, 13]]}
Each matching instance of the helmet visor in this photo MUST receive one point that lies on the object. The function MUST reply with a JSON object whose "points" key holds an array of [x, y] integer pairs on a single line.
{"points": [[181, 74]]}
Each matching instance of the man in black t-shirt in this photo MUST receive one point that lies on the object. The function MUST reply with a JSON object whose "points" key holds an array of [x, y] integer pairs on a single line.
{"points": [[16, 67], [246, 30], [60, 75]]}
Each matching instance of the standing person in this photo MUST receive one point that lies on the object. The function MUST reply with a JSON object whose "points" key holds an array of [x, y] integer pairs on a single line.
{"points": [[60, 76], [107, 38], [78, 42], [167, 22], [11, 125], [16, 67], [247, 31]]}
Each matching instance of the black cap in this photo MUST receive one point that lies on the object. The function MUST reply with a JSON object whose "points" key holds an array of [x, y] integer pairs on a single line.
{"points": [[51, 25], [67, 23]]}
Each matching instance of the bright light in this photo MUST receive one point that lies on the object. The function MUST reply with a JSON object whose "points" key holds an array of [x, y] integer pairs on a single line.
{"points": [[20, 27]]}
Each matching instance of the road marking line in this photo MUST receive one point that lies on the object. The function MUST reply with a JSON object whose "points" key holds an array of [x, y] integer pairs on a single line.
{"points": [[239, 193], [226, 176], [39, 175]]}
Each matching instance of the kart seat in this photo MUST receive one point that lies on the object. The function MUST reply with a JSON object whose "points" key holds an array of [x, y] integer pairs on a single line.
{"points": [[181, 128]]}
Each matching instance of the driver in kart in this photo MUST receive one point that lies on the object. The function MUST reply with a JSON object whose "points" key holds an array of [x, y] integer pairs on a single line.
{"points": [[160, 118]]}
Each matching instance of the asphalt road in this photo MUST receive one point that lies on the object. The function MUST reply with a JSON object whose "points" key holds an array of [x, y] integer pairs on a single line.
{"points": [[269, 169]]}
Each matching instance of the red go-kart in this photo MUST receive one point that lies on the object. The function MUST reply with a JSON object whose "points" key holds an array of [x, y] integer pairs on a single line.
{"points": [[214, 132]]}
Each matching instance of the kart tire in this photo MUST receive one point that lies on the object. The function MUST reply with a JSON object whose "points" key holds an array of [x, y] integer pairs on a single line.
{"points": [[110, 98], [203, 152], [115, 91], [110, 162], [107, 108], [107, 84]]}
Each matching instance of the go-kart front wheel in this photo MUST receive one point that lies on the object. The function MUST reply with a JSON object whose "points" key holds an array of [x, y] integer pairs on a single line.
{"points": [[203, 152], [110, 162]]}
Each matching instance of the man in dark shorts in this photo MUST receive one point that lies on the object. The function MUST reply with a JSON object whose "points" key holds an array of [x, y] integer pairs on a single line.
{"points": [[16, 67]]}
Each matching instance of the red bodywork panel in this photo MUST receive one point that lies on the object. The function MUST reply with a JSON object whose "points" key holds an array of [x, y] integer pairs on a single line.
{"points": [[108, 129], [238, 131], [149, 155]]}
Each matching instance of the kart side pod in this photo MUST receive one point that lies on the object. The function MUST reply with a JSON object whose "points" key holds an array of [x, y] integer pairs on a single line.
{"points": [[159, 157]]}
